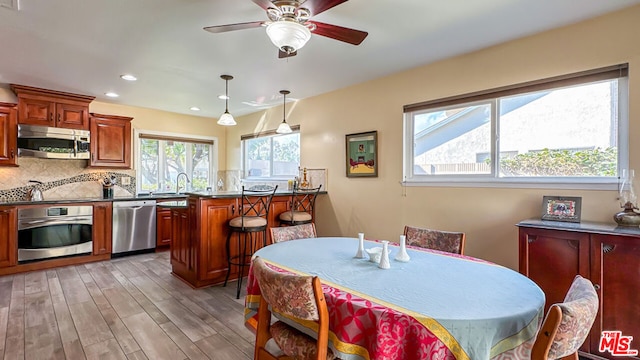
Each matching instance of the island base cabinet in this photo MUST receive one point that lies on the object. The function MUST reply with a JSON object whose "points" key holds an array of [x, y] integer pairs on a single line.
{"points": [[199, 237], [552, 257]]}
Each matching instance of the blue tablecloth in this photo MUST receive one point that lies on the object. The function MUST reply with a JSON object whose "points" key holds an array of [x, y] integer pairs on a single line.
{"points": [[479, 307]]}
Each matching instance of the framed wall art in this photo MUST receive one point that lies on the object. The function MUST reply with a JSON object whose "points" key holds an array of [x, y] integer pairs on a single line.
{"points": [[362, 154], [561, 208]]}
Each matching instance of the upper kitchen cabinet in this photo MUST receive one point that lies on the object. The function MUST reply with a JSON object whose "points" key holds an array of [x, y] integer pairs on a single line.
{"points": [[8, 134], [52, 108], [110, 141]]}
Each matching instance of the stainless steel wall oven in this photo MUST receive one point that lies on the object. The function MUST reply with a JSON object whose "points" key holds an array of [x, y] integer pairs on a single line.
{"points": [[50, 232]]}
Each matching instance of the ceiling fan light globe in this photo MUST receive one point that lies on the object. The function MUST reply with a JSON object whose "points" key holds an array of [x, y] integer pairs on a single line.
{"points": [[226, 119], [288, 36], [284, 128]]}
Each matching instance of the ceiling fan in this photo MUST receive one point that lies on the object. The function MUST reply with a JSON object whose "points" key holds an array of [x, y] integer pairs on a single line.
{"points": [[289, 27]]}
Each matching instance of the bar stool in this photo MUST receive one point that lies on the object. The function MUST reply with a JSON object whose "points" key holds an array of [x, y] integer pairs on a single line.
{"points": [[250, 228], [301, 207]]}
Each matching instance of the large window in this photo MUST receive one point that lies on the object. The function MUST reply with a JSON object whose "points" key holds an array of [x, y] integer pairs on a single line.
{"points": [[270, 155], [570, 129], [161, 158]]}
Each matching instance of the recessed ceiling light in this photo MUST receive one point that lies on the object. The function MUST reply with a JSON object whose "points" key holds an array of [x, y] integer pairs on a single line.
{"points": [[111, 94], [128, 77], [223, 97], [194, 108]]}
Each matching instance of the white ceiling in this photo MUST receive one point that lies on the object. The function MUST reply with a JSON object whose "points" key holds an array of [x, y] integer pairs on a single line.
{"points": [[83, 46]]}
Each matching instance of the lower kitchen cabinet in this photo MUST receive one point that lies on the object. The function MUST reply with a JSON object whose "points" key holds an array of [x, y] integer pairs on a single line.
{"points": [[182, 247], [8, 237], [102, 216], [163, 223], [553, 253]]}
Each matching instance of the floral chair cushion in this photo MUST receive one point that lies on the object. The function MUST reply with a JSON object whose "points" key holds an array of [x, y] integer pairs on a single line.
{"points": [[286, 293], [579, 311], [287, 233], [294, 343], [434, 239]]}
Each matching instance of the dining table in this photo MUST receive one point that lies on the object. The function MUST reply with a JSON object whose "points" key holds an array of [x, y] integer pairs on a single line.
{"points": [[437, 305]]}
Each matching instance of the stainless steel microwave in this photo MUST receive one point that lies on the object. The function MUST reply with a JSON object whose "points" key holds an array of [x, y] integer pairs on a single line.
{"points": [[53, 142]]}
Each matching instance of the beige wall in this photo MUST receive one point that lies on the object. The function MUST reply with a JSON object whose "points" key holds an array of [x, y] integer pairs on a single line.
{"points": [[381, 206]]}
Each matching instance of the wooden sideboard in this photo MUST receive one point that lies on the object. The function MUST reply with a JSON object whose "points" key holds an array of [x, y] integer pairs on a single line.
{"points": [[199, 234], [553, 253]]}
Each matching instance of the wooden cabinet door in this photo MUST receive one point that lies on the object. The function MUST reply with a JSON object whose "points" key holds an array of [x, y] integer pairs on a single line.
{"points": [[181, 247], [163, 221], [72, 116], [36, 112], [8, 135], [110, 141], [213, 238], [279, 205], [102, 218], [552, 259], [8, 237], [615, 272]]}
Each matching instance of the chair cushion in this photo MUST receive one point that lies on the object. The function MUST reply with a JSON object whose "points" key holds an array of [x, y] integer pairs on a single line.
{"points": [[295, 216], [294, 343], [249, 221], [579, 311]]}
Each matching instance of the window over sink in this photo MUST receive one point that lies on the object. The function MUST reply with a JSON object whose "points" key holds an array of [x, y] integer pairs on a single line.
{"points": [[161, 157]]}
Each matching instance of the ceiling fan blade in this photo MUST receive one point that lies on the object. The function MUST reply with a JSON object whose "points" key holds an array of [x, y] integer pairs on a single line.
{"points": [[265, 4], [231, 27], [340, 33], [283, 55], [318, 6]]}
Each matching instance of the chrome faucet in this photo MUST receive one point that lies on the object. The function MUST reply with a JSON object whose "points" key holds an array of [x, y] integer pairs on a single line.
{"points": [[178, 181]]}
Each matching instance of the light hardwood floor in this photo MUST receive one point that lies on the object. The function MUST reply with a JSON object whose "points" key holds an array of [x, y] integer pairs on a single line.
{"points": [[126, 308]]}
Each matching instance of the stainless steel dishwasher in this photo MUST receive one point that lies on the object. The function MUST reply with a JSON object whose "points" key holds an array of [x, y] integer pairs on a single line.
{"points": [[134, 227]]}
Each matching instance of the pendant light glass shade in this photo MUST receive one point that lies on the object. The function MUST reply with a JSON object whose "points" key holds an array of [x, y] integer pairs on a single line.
{"points": [[226, 119], [288, 36], [284, 128]]}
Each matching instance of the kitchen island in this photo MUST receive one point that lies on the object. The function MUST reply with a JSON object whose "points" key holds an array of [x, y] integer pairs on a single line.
{"points": [[199, 234]]}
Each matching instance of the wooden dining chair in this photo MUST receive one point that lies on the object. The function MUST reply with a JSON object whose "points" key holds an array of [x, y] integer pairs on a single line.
{"points": [[296, 297], [286, 233], [567, 324], [448, 241]]}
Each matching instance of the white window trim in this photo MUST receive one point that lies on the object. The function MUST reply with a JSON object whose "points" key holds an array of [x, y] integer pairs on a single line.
{"points": [[493, 181], [213, 155]]}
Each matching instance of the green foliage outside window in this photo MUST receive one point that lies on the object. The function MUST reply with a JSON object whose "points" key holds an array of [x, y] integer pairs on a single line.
{"points": [[592, 162]]}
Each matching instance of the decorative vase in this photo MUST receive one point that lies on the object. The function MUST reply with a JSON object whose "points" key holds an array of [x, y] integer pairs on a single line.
{"points": [[403, 256], [628, 201], [384, 258], [360, 252]]}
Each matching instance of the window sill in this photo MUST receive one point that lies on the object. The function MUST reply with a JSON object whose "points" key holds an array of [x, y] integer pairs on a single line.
{"points": [[515, 184]]}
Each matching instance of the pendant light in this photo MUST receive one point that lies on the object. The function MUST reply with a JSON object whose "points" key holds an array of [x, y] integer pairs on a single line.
{"points": [[226, 119], [284, 128]]}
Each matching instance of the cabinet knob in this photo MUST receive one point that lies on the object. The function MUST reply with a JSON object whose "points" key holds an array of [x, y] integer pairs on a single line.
{"points": [[50, 117], [596, 286], [13, 155], [59, 118], [233, 209]]}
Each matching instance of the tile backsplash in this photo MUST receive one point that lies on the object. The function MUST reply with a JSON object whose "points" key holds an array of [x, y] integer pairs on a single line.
{"points": [[232, 180], [61, 179]]}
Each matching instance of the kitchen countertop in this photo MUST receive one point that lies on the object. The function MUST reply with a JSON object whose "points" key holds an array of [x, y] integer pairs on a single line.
{"points": [[158, 197]]}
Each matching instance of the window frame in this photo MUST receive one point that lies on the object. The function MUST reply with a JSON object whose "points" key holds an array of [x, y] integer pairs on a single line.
{"points": [[160, 135], [264, 134], [493, 97]]}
